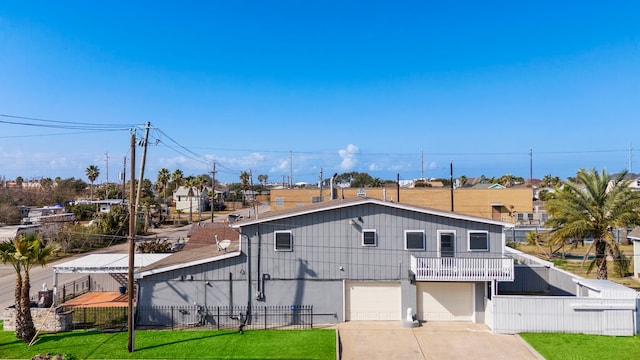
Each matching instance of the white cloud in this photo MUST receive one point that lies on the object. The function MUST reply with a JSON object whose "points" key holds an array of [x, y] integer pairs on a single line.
{"points": [[433, 165], [348, 156], [280, 167], [373, 167]]}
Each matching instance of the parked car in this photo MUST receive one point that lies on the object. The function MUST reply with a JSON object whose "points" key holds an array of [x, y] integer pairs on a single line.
{"points": [[177, 247], [231, 218]]}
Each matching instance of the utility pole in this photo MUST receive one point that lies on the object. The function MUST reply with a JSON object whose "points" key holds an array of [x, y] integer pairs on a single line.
{"points": [[106, 155], [124, 179], [531, 168], [132, 240], [630, 158], [451, 180], [422, 162], [133, 230], [213, 189], [320, 184], [290, 168]]}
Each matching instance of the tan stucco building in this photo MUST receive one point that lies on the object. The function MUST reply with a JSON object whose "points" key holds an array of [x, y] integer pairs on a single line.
{"points": [[495, 204]]}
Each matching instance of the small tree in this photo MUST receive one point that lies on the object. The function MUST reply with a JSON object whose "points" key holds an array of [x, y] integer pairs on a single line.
{"points": [[23, 252], [92, 173], [592, 207]]}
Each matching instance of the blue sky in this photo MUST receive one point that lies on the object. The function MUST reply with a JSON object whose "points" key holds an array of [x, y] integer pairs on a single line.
{"points": [[278, 86]]}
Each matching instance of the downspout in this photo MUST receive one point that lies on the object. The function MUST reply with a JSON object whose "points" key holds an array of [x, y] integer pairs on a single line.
{"points": [[248, 278], [260, 294]]}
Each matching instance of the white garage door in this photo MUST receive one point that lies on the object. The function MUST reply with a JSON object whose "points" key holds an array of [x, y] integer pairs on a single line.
{"points": [[372, 301], [445, 301]]}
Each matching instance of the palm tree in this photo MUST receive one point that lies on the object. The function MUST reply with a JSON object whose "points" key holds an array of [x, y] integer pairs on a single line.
{"points": [[177, 177], [23, 252], [46, 183], [92, 173], [191, 183], [200, 183], [506, 180], [244, 179], [376, 182], [263, 179], [592, 207], [163, 178]]}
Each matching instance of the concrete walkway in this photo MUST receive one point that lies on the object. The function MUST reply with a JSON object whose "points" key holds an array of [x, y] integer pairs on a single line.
{"points": [[432, 340]]}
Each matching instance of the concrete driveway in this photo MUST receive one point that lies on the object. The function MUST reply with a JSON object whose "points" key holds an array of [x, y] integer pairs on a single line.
{"points": [[432, 340]]}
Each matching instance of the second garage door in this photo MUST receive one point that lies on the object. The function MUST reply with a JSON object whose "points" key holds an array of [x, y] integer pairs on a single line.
{"points": [[372, 301], [445, 301]]}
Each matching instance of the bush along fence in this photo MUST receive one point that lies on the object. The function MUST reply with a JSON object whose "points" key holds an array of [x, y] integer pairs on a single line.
{"points": [[194, 317]]}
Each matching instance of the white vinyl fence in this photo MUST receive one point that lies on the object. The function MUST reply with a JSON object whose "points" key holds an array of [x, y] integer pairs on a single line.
{"points": [[567, 314], [571, 304]]}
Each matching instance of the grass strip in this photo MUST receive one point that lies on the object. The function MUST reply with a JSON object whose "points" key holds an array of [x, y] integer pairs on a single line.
{"points": [[580, 346], [191, 344]]}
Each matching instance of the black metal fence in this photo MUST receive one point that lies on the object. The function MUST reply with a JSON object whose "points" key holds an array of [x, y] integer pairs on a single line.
{"points": [[74, 288], [194, 317], [100, 318]]}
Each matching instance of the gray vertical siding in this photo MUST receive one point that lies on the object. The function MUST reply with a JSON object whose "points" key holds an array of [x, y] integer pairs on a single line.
{"points": [[539, 280], [327, 250], [324, 242]]}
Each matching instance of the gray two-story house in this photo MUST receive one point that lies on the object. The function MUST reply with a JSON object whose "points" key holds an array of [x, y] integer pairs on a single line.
{"points": [[353, 259]]}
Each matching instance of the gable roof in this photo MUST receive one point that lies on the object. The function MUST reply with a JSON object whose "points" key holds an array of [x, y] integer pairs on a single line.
{"points": [[355, 201], [184, 191], [634, 234], [488, 186]]}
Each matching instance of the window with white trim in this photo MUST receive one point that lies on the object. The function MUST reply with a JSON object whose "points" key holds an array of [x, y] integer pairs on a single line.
{"points": [[478, 241], [414, 240], [283, 241], [369, 238], [446, 243]]}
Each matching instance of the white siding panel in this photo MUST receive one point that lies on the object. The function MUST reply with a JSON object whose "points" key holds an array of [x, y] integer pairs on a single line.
{"points": [[445, 301], [373, 301], [514, 314]]}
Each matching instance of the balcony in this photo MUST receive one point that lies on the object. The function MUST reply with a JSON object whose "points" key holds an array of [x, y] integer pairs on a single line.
{"points": [[462, 269]]}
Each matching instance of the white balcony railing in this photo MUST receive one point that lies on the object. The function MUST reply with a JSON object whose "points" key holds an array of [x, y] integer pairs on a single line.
{"points": [[462, 269]]}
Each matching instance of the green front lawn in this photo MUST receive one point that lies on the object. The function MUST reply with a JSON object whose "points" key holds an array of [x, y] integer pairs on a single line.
{"points": [[201, 344], [580, 346]]}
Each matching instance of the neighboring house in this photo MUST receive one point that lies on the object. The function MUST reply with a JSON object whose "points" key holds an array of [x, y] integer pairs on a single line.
{"points": [[488, 186], [635, 237], [199, 201], [634, 184], [104, 206], [51, 217], [351, 259], [11, 231]]}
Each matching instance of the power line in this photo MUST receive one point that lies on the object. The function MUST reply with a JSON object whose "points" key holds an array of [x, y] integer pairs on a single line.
{"points": [[47, 123]]}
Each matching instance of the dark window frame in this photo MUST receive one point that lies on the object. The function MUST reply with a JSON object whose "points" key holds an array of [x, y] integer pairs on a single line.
{"points": [[364, 237], [472, 241], [453, 243], [406, 240], [276, 247]]}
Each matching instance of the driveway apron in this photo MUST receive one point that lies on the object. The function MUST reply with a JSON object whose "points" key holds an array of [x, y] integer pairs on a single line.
{"points": [[432, 340]]}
